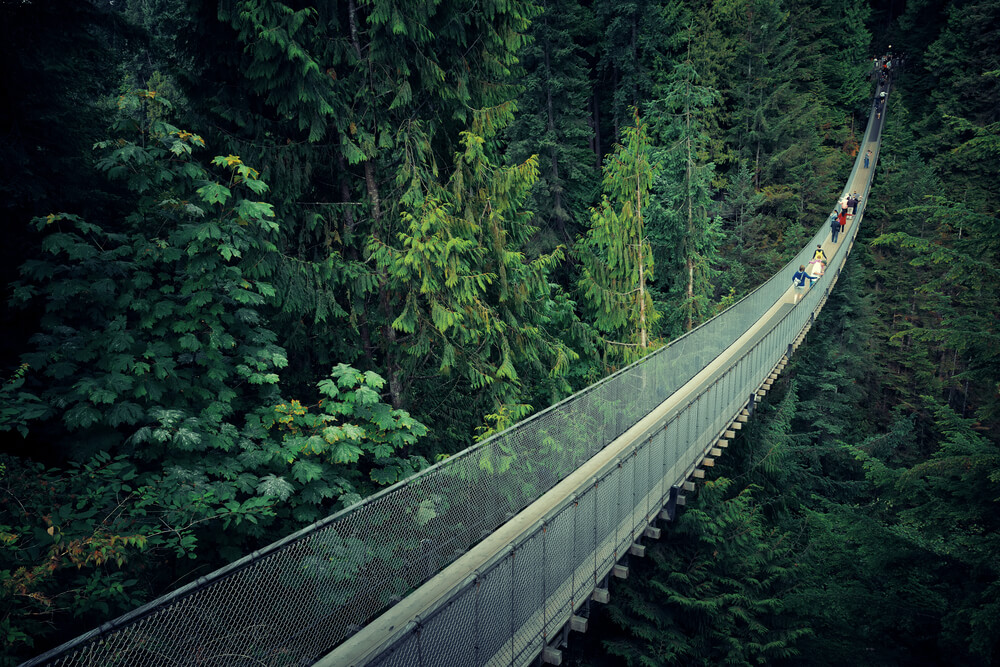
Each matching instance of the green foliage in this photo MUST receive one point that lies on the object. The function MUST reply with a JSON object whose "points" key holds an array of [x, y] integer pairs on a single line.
{"points": [[155, 349], [629, 52], [74, 544], [686, 231], [158, 311], [955, 251], [552, 120], [169, 300], [475, 306], [351, 433], [936, 521], [616, 255], [714, 595]]}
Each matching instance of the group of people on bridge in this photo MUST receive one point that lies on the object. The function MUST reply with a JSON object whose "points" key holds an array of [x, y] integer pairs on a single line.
{"points": [[882, 67], [805, 277], [848, 204], [844, 212]]}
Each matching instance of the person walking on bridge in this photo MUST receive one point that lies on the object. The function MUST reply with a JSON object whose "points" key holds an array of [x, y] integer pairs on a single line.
{"points": [[820, 255], [799, 279], [834, 227], [868, 155]]}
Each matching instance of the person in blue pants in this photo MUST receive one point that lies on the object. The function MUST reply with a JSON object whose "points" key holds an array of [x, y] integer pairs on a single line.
{"points": [[834, 227]]}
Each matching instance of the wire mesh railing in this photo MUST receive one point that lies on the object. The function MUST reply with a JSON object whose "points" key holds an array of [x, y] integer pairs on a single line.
{"points": [[297, 599]]}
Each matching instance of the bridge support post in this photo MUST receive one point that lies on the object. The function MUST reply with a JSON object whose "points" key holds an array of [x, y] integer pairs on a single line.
{"points": [[671, 508], [601, 593], [551, 656]]}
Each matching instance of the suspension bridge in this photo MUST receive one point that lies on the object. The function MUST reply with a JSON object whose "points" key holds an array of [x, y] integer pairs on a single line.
{"points": [[493, 556]]}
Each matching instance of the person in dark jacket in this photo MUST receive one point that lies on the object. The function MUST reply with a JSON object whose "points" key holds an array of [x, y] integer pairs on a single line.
{"points": [[799, 280], [834, 227]]}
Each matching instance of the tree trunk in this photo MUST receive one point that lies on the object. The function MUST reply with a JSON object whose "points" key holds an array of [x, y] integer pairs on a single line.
{"points": [[555, 185], [642, 263], [389, 345], [690, 208], [597, 130], [351, 250], [615, 111]]}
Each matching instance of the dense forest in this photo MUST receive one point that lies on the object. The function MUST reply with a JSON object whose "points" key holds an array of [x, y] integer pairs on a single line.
{"points": [[264, 258]]}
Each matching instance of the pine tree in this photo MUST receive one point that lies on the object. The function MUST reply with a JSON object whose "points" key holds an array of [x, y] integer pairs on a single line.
{"points": [[553, 119], [356, 107], [615, 254], [767, 103], [685, 229], [475, 308], [632, 40], [713, 595]]}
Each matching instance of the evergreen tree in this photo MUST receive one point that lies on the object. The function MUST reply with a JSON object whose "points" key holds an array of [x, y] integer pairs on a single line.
{"points": [[686, 232], [713, 595], [356, 108], [742, 224], [477, 309], [633, 38], [615, 254], [553, 119]]}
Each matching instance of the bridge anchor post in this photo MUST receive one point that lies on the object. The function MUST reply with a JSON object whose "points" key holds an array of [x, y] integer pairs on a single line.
{"points": [[671, 507]]}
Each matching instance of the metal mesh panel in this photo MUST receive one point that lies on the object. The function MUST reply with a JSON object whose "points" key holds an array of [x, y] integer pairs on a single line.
{"points": [[584, 545], [607, 495], [625, 505], [657, 468], [558, 568], [448, 638], [405, 653], [528, 595], [494, 611]]}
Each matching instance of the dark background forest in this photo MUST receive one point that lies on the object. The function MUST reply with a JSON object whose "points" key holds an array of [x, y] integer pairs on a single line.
{"points": [[265, 258]]}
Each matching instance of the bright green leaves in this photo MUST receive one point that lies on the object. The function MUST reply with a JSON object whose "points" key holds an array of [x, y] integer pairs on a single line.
{"points": [[348, 430], [305, 471], [345, 453], [616, 256], [213, 193], [275, 487], [476, 307]]}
